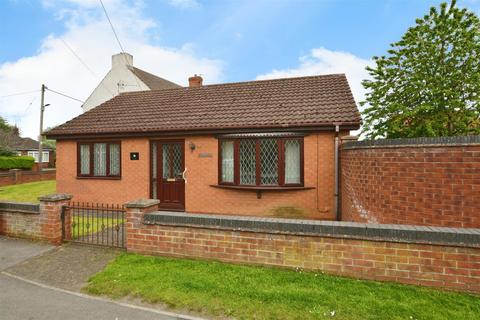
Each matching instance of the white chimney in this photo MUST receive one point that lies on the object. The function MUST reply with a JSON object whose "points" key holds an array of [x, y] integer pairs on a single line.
{"points": [[121, 60]]}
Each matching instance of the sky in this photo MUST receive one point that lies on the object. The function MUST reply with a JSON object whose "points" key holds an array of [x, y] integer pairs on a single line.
{"points": [[67, 44]]}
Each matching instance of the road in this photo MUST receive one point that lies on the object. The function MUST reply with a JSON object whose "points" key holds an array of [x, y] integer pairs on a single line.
{"points": [[22, 299]]}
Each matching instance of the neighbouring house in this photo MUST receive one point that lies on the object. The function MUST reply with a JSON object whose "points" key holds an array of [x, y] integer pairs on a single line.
{"points": [[249, 148], [124, 77], [27, 147]]}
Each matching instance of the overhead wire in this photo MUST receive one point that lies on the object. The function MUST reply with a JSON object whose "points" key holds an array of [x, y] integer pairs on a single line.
{"points": [[18, 93], [118, 40], [65, 95], [86, 66]]}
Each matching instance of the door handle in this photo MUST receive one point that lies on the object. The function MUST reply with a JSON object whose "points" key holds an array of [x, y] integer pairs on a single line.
{"points": [[183, 175]]}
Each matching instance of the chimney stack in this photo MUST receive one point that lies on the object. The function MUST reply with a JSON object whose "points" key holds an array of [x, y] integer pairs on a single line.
{"points": [[120, 60], [195, 81]]}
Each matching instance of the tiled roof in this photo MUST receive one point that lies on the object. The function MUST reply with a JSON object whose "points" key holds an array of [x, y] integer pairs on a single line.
{"points": [[316, 101], [13, 141], [152, 81]]}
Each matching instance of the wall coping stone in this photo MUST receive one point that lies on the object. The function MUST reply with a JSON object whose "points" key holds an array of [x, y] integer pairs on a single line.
{"points": [[22, 207], [464, 237], [414, 142], [55, 197], [142, 203]]}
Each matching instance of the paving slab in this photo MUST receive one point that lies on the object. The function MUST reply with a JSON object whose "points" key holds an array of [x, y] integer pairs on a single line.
{"points": [[14, 251], [68, 267]]}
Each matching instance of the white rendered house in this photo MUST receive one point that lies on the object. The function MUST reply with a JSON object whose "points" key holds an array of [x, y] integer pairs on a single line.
{"points": [[124, 77]]}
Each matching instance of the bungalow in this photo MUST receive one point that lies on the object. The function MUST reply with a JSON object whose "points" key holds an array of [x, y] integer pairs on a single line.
{"points": [[249, 148], [12, 141]]}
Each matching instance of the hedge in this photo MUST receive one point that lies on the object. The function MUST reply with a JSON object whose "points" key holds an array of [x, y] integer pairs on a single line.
{"points": [[21, 162]]}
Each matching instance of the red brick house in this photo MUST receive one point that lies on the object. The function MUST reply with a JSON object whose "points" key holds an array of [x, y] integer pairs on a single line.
{"points": [[249, 148]]}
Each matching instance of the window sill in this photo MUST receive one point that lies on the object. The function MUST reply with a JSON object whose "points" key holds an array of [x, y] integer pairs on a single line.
{"points": [[259, 189], [99, 178]]}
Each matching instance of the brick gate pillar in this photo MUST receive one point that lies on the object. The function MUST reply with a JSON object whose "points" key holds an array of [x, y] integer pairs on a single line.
{"points": [[51, 216], [134, 216]]}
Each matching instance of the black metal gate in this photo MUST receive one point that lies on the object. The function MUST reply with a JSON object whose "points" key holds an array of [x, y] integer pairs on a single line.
{"points": [[97, 224]]}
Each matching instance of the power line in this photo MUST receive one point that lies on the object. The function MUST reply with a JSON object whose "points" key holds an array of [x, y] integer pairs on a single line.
{"points": [[18, 94], [111, 25], [78, 57], [65, 95], [86, 66], [118, 40]]}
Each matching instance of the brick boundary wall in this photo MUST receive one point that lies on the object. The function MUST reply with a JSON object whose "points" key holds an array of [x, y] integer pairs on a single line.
{"points": [[34, 221], [423, 181], [438, 257], [16, 176]]}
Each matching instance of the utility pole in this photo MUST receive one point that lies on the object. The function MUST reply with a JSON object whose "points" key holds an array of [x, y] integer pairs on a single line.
{"points": [[40, 146]]}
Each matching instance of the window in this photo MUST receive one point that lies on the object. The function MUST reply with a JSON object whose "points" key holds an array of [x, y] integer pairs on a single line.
{"points": [[45, 156], [99, 159], [261, 162]]}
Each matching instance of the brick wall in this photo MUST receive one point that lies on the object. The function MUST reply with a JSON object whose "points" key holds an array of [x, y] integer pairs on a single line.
{"points": [[432, 182], [384, 258], [202, 173], [33, 221], [16, 176]]}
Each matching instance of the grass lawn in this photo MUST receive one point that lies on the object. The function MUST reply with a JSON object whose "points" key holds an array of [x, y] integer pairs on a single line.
{"points": [[246, 292], [82, 226], [27, 192]]}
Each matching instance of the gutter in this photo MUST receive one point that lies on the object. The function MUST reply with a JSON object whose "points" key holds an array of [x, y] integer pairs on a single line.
{"points": [[336, 165], [204, 131]]}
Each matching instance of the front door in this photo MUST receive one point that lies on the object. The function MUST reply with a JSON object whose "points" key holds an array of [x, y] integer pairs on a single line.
{"points": [[170, 169]]}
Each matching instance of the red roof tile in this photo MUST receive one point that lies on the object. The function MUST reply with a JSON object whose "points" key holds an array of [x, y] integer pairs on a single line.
{"points": [[316, 101]]}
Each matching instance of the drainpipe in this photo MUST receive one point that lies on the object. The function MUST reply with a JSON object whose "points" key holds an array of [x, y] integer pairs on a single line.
{"points": [[336, 210]]}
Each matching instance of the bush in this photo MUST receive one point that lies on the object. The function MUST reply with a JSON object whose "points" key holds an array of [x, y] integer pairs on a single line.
{"points": [[5, 152], [21, 162]]}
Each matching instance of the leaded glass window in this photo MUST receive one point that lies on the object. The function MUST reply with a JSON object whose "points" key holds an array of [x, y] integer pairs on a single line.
{"points": [[154, 170], [227, 161], [247, 162], [84, 159], [114, 159], [165, 161], [269, 161], [261, 161], [292, 161], [99, 159], [177, 160]]}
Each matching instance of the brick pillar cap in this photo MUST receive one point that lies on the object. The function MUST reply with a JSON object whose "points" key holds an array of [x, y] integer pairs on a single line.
{"points": [[142, 203], [55, 197]]}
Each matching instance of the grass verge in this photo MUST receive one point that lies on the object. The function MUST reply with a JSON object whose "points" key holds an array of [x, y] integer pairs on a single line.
{"points": [[28, 192], [247, 292]]}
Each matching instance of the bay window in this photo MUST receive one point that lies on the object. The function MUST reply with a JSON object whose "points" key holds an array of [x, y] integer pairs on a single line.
{"points": [[98, 159], [262, 161]]}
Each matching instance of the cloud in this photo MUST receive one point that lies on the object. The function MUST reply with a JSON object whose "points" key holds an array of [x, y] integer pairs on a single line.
{"points": [[184, 4], [88, 33], [324, 61]]}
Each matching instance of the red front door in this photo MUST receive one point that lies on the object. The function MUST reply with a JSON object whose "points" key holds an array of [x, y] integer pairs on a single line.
{"points": [[170, 166]]}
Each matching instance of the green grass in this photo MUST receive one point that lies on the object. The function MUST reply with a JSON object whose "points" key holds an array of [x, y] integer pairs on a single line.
{"points": [[246, 292], [27, 192], [82, 226]]}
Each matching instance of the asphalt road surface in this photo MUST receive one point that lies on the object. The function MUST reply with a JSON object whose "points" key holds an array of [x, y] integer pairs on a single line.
{"points": [[22, 299]]}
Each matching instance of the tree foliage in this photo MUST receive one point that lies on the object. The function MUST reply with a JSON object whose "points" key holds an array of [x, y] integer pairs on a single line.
{"points": [[5, 129], [429, 83]]}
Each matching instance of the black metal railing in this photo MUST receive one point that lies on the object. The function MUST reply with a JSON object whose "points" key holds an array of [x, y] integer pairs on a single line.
{"points": [[94, 223]]}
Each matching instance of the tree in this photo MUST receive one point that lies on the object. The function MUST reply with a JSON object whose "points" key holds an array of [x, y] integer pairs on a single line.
{"points": [[5, 131], [429, 83], [4, 126]]}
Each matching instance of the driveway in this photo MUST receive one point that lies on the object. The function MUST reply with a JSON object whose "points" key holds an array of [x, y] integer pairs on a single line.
{"points": [[23, 298]]}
